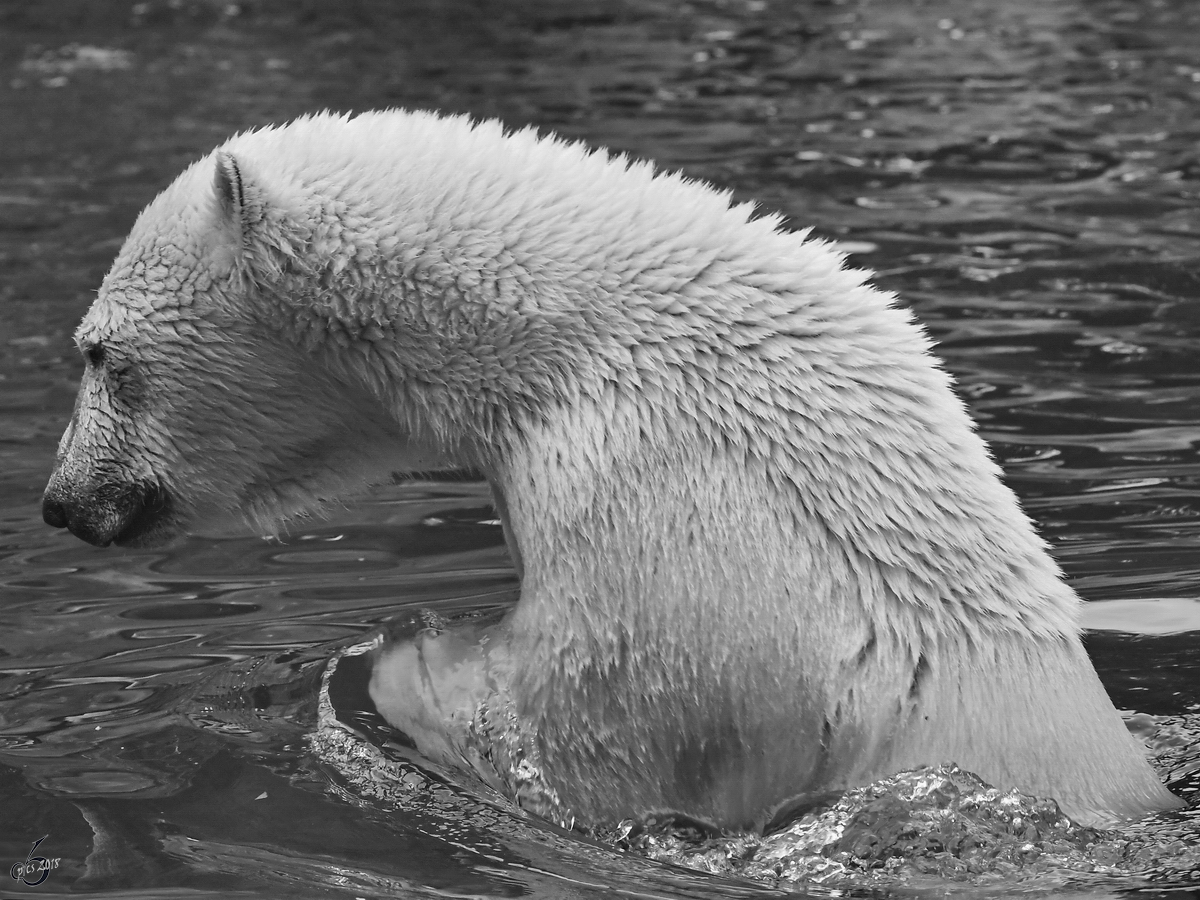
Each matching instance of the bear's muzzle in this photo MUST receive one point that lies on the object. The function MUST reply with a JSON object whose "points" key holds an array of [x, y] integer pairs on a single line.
{"points": [[120, 512]]}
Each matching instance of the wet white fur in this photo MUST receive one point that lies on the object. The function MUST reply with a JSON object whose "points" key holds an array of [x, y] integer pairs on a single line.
{"points": [[764, 552]]}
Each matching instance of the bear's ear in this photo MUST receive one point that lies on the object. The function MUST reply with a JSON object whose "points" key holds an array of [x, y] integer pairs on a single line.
{"points": [[229, 184], [254, 233], [238, 198]]}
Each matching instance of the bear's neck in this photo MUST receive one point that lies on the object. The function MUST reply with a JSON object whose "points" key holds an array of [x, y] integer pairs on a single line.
{"points": [[829, 492]]}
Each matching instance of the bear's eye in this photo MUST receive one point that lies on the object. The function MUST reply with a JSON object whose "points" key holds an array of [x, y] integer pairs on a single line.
{"points": [[94, 353]]}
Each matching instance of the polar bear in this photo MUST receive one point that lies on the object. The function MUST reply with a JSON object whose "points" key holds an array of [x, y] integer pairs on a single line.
{"points": [[763, 553]]}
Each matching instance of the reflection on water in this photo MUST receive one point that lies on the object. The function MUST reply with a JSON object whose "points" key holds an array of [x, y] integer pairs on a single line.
{"points": [[1025, 175]]}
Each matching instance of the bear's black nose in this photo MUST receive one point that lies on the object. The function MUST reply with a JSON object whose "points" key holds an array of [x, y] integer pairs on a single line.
{"points": [[54, 513], [105, 512]]}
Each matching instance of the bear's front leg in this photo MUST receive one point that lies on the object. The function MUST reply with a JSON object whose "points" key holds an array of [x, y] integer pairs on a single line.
{"points": [[446, 687], [430, 686]]}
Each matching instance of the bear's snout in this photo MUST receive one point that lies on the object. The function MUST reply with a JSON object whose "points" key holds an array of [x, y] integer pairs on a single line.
{"points": [[53, 512], [112, 512]]}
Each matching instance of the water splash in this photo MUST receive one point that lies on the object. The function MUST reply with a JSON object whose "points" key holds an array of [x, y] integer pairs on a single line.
{"points": [[930, 827]]}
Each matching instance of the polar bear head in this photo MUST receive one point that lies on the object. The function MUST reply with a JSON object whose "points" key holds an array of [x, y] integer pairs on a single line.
{"points": [[196, 405]]}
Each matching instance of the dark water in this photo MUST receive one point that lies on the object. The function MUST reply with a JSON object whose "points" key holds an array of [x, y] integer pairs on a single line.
{"points": [[1025, 174]]}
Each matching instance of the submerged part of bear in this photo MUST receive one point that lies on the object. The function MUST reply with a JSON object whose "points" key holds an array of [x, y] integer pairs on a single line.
{"points": [[763, 553], [913, 828]]}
